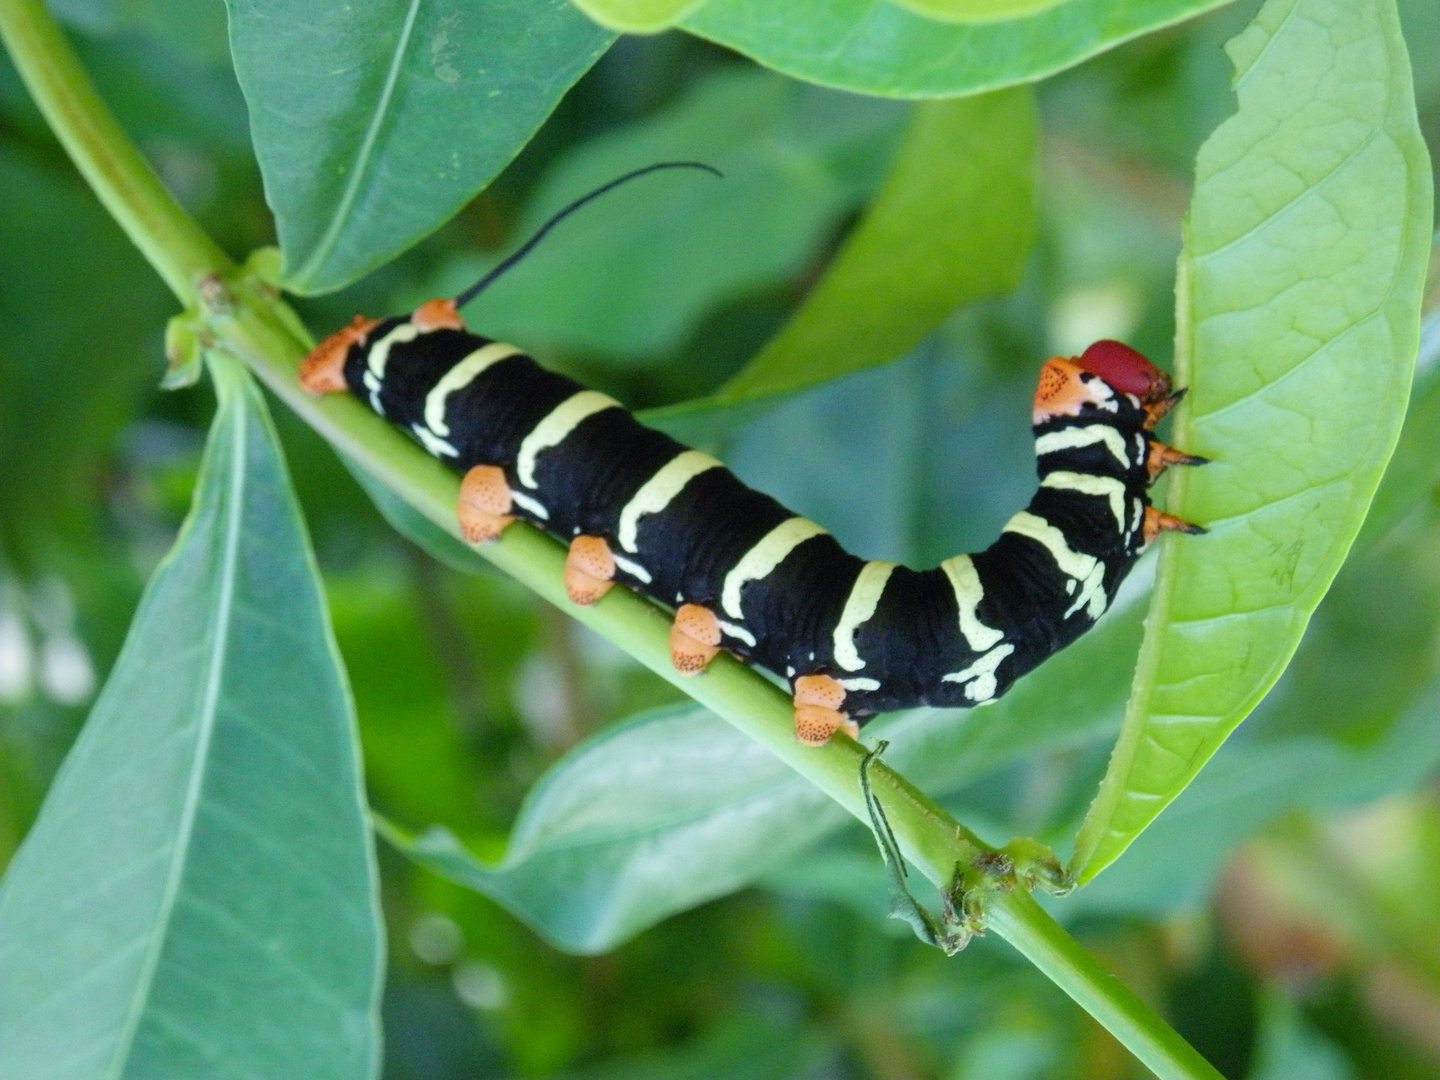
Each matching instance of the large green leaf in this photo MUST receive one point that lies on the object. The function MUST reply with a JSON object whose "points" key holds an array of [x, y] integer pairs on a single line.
{"points": [[375, 122], [1298, 312], [876, 47], [675, 807], [632, 275], [1353, 719], [1174, 865], [953, 222], [198, 895]]}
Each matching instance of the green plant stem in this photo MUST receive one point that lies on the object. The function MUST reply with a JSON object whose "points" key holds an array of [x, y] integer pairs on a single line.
{"points": [[246, 319], [167, 236]]}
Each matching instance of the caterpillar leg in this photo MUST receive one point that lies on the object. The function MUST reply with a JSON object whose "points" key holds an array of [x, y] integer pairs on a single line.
{"points": [[438, 314], [323, 369], [1157, 521], [589, 569], [1162, 457], [694, 638], [1157, 408], [817, 710], [485, 504]]}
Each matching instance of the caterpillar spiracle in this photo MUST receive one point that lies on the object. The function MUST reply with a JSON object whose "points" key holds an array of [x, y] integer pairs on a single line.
{"points": [[742, 573]]}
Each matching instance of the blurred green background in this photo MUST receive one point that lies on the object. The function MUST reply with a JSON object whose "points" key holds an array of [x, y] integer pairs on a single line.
{"points": [[1285, 912]]}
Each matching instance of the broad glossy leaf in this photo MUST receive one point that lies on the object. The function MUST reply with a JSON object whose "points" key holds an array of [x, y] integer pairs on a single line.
{"points": [[1173, 865], [632, 275], [198, 895], [636, 16], [875, 47], [1298, 313], [676, 807], [375, 122], [1371, 644], [1353, 719], [952, 222]]}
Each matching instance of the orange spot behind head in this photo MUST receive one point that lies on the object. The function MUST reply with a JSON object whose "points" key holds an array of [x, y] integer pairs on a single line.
{"points": [[1061, 390], [323, 369], [438, 314]]}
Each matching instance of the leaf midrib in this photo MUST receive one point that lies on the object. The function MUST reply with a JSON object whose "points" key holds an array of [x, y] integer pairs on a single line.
{"points": [[362, 157], [209, 703]]}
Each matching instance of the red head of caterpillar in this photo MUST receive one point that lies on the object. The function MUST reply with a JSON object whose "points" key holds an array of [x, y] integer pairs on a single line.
{"points": [[1125, 369]]}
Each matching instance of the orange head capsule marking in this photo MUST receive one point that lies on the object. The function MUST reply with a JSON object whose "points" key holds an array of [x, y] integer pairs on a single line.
{"points": [[438, 314], [323, 370], [1064, 391]]}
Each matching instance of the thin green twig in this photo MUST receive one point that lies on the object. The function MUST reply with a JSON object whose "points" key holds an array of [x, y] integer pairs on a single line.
{"points": [[245, 318]]}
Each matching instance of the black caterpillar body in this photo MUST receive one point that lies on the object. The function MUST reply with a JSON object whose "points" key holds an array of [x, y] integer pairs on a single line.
{"points": [[750, 576]]}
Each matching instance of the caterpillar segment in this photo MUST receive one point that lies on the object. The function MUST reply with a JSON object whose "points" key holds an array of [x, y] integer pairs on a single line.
{"points": [[744, 574]]}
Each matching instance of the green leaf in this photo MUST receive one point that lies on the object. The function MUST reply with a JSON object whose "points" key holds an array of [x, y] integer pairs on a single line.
{"points": [[374, 123], [953, 222], [977, 11], [198, 896], [1298, 312], [1352, 720], [879, 48], [674, 807], [1173, 865], [632, 275], [652, 816], [636, 16]]}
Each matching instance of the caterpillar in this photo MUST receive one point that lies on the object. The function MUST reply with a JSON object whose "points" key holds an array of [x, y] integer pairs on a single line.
{"points": [[851, 637]]}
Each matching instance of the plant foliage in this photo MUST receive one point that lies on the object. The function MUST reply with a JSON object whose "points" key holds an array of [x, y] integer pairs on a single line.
{"points": [[922, 199]]}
